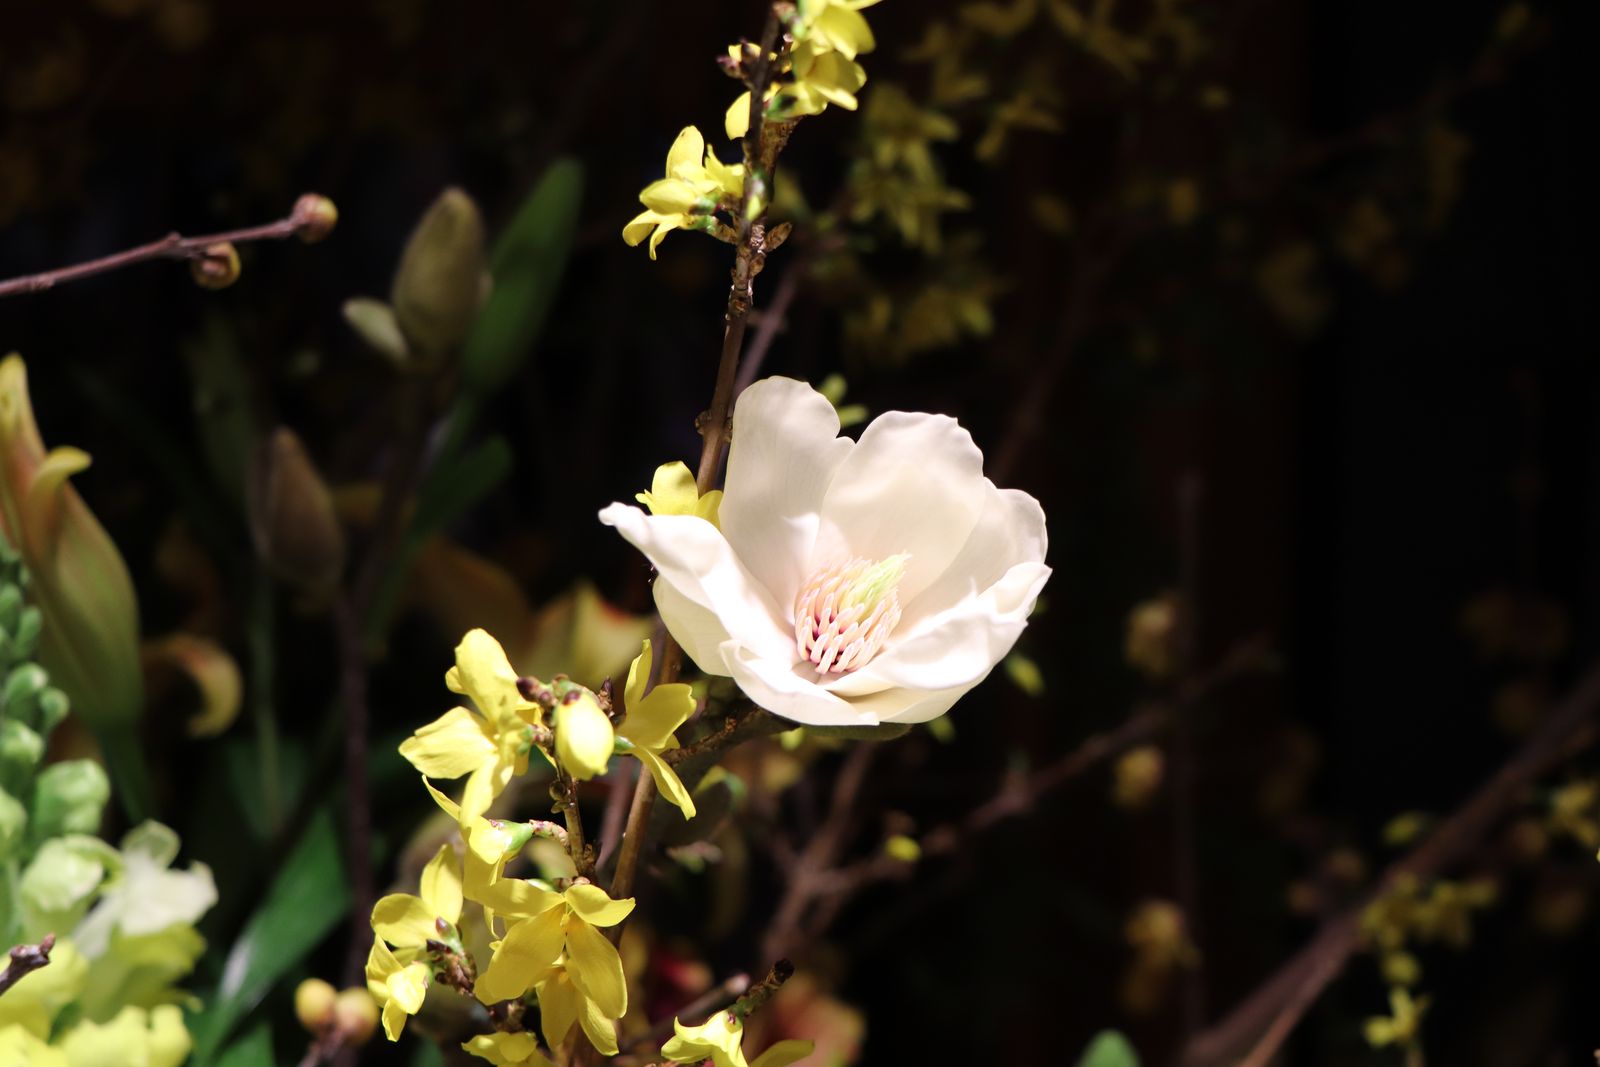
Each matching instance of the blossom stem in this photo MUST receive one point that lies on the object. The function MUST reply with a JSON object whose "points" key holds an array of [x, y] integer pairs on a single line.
{"points": [[25, 959], [760, 157], [172, 246]]}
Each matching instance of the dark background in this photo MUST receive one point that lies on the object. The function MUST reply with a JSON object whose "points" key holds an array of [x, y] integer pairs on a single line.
{"points": [[1358, 486]]}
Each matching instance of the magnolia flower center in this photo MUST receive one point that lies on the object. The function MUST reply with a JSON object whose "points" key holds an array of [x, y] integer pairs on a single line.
{"points": [[844, 613]]}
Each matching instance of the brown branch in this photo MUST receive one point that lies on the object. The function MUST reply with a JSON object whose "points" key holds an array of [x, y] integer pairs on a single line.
{"points": [[830, 889], [309, 221], [1267, 1016], [25, 959], [760, 155]]}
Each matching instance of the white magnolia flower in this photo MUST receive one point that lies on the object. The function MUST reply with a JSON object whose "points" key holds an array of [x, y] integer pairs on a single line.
{"points": [[850, 583]]}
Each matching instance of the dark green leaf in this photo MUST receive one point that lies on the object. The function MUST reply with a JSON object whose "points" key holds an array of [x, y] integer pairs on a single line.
{"points": [[254, 1049], [527, 264], [306, 900], [883, 732]]}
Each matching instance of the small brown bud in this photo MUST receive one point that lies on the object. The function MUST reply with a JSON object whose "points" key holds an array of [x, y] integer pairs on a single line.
{"points": [[217, 267], [315, 217]]}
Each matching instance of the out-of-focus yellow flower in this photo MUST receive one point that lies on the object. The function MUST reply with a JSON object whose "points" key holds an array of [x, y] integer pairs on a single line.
{"points": [[1137, 776], [673, 492], [1574, 809], [1152, 638], [489, 746], [1402, 1026], [835, 25], [90, 638], [507, 1050], [720, 1040], [648, 727], [696, 183]]}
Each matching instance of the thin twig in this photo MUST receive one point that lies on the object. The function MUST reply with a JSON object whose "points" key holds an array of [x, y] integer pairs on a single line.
{"points": [[25, 959], [305, 219], [1268, 1015], [773, 318], [1186, 880]]}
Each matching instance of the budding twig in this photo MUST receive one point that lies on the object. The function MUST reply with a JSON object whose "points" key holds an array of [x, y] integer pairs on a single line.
{"points": [[313, 216], [25, 959]]}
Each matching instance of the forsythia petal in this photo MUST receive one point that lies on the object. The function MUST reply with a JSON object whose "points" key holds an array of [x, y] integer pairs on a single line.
{"points": [[591, 904], [529, 947], [441, 885], [404, 920], [454, 744], [596, 969], [668, 783]]}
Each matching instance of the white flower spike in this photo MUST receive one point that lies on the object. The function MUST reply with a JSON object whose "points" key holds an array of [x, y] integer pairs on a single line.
{"points": [[850, 582]]}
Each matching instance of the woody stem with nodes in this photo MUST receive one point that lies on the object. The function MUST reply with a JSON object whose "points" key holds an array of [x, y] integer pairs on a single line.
{"points": [[762, 144], [211, 256]]}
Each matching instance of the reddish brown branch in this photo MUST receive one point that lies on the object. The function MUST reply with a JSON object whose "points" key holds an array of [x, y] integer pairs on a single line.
{"points": [[309, 220], [1264, 1020]]}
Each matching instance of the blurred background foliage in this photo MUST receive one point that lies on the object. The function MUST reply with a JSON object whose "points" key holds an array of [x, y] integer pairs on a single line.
{"points": [[1276, 308]]}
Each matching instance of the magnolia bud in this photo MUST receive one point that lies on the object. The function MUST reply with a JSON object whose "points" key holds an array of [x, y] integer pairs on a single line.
{"points": [[291, 514], [584, 738], [441, 282], [355, 1014], [313, 1004], [217, 267], [314, 216], [68, 798], [76, 575]]}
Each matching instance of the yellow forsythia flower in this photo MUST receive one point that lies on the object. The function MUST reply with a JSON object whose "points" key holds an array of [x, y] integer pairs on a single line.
{"points": [[720, 1038], [398, 978], [649, 724], [673, 492], [695, 183]]}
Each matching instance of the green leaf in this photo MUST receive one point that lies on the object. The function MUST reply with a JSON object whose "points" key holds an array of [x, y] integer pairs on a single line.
{"points": [[254, 1049], [306, 900], [527, 264], [1109, 1049]]}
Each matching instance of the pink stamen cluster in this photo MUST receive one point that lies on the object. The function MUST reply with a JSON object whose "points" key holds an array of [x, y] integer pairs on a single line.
{"points": [[844, 613]]}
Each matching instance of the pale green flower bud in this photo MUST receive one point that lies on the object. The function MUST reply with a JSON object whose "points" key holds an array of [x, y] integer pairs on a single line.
{"points": [[13, 825], [78, 581], [21, 749], [443, 277], [68, 798], [584, 738]]}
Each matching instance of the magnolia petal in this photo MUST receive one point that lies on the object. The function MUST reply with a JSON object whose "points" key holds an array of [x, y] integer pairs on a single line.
{"points": [[957, 647], [596, 969], [912, 705], [529, 948], [913, 484], [1010, 531], [784, 1053], [777, 686], [441, 885], [593, 906], [402, 919], [456, 743], [786, 451], [696, 629], [668, 784], [695, 558]]}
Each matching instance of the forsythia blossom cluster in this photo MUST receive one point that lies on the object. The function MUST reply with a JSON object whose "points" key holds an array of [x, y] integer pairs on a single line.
{"points": [[814, 66], [542, 940]]}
